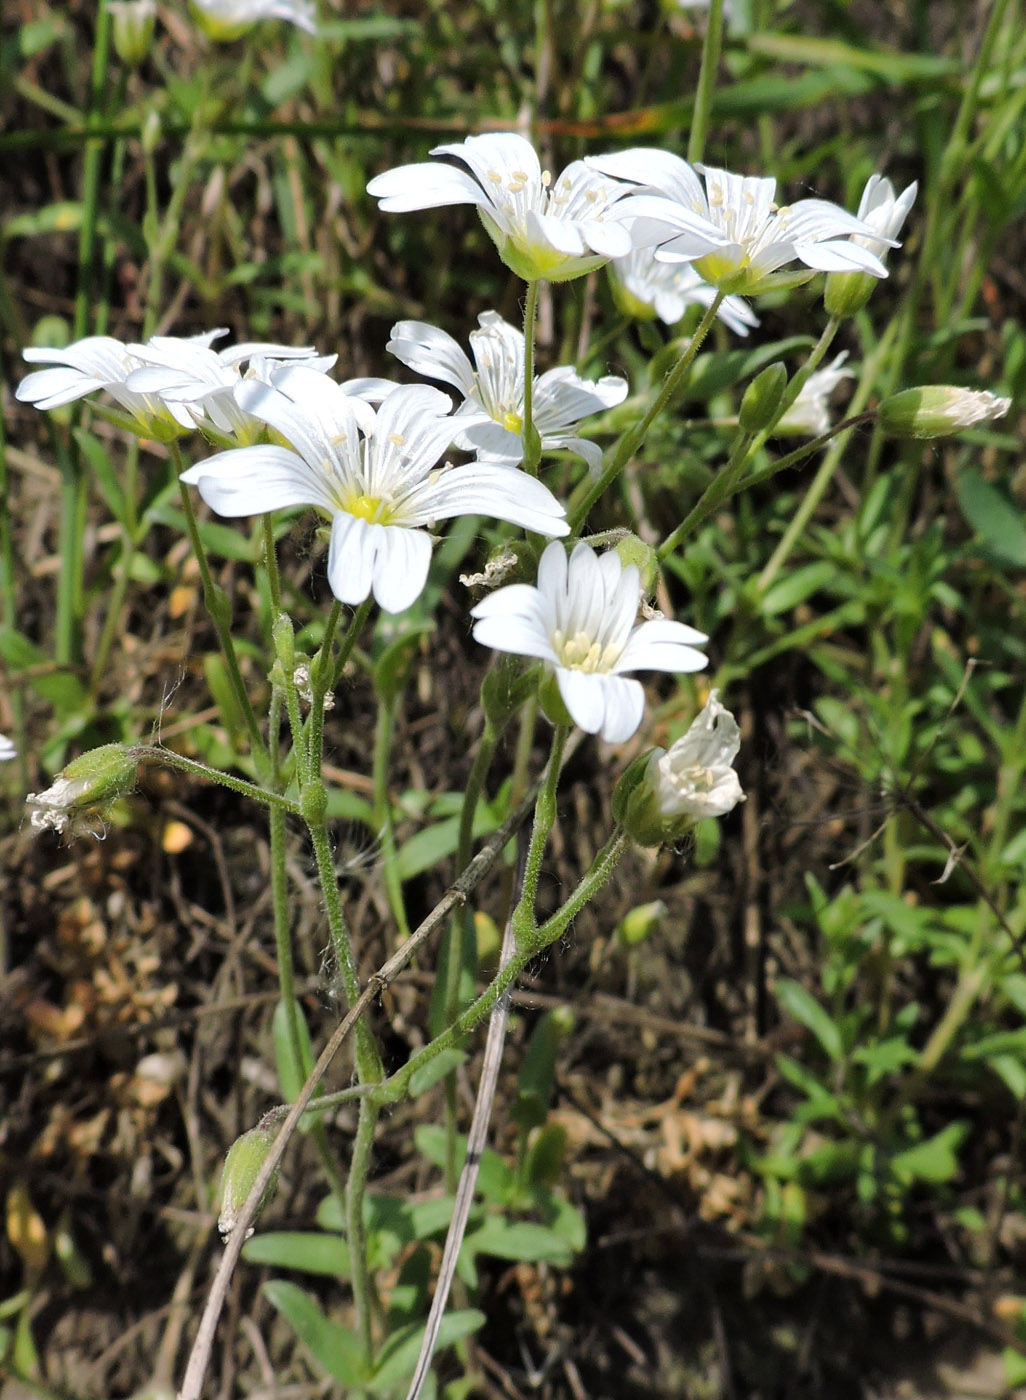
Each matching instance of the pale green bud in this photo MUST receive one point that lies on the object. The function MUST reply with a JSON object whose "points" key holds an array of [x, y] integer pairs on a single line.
{"points": [[246, 1156], [86, 788], [642, 921], [633, 550], [762, 398], [939, 410], [846, 293], [133, 22]]}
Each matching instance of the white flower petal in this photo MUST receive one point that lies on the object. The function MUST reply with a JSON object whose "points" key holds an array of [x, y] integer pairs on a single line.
{"points": [[253, 480], [426, 185], [484, 488], [400, 567], [433, 353]]}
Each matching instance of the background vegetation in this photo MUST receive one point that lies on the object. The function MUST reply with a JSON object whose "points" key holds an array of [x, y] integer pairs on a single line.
{"points": [[785, 1101]]}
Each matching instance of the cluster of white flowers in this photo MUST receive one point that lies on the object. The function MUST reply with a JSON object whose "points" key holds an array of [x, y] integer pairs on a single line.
{"points": [[368, 453]]}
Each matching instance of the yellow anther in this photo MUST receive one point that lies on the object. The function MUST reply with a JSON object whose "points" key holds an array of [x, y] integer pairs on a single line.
{"points": [[397, 439], [495, 177]]}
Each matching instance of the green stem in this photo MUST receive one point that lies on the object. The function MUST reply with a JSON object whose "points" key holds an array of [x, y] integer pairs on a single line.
{"points": [[633, 438], [532, 442], [359, 1166], [524, 921], [350, 640], [395, 1088], [458, 954], [168, 758], [368, 1062], [841, 435], [219, 608], [706, 80], [727, 482], [384, 729], [320, 678]]}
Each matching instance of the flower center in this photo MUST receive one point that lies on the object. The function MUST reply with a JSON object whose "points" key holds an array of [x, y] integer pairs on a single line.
{"points": [[512, 422], [582, 653], [370, 508]]}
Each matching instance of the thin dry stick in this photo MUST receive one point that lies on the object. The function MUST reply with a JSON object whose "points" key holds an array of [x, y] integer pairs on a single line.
{"points": [[456, 895], [475, 1147]]}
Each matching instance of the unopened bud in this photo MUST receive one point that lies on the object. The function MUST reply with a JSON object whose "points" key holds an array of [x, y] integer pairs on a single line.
{"points": [[846, 293], [939, 410], [762, 398], [246, 1156], [133, 22], [636, 926], [86, 787], [633, 550]]}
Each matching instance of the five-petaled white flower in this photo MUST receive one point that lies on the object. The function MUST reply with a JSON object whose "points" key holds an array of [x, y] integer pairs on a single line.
{"points": [[543, 228], [645, 288], [373, 473], [809, 415], [228, 19], [490, 420], [7, 749], [580, 620], [732, 230]]}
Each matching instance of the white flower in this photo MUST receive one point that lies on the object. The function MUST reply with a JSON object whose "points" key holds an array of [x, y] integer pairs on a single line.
{"points": [[645, 287], [732, 230], [883, 212], [580, 620], [198, 383], [101, 362], [695, 777], [373, 473], [543, 228], [7, 749], [493, 390], [809, 416], [227, 19]]}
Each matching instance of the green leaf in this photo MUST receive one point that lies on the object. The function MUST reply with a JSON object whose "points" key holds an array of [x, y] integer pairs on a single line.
{"points": [[97, 459], [399, 1354], [802, 1006], [64, 691], [221, 541], [434, 1070], [333, 1347], [292, 1074], [495, 1180], [519, 1240], [935, 1160], [798, 585], [995, 517], [308, 1251]]}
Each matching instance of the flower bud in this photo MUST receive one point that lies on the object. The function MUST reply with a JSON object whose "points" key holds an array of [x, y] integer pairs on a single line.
{"points": [[246, 1156], [86, 787], [643, 920], [694, 779], [633, 550], [938, 410], [133, 22], [846, 293], [762, 398]]}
